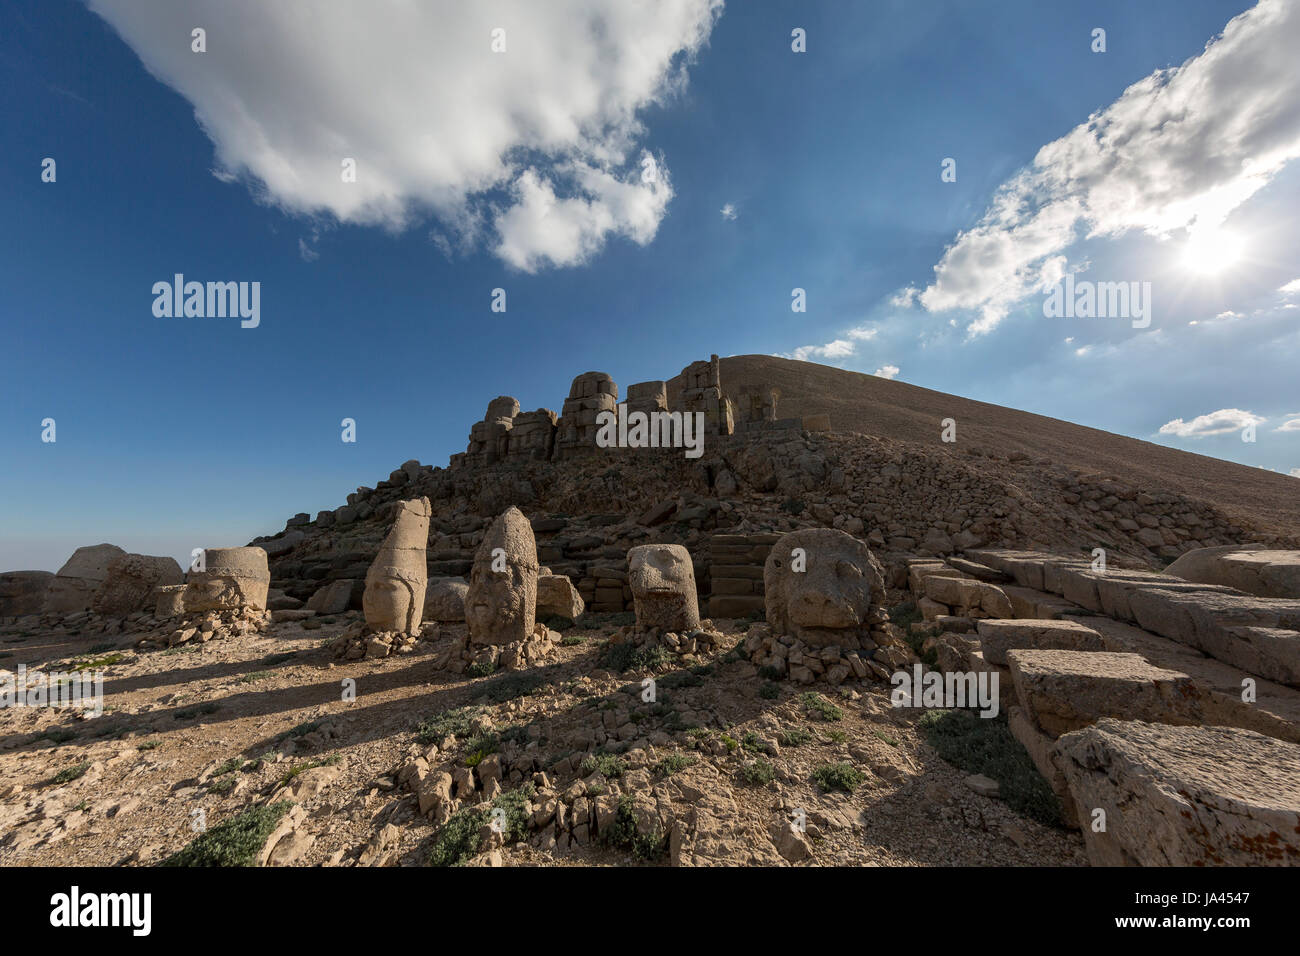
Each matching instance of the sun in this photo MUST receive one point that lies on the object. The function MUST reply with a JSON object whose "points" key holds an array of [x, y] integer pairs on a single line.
{"points": [[1212, 251]]}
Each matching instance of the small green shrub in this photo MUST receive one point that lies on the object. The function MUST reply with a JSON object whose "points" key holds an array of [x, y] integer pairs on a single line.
{"points": [[234, 842], [759, 772], [818, 706], [838, 776]]}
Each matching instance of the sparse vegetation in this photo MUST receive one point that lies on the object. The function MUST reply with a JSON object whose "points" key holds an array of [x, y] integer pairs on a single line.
{"points": [[794, 737], [607, 765], [481, 669], [624, 657], [819, 707], [673, 763], [838, 776], [460, 837], [234, 842], [69, 774], [758, 772], [986, 746], [458, 722], [625, 834]]}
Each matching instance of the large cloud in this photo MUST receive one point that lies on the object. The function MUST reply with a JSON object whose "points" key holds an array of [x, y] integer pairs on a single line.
{"points": [[1179, 149], [1222, 422], [540, 143]]}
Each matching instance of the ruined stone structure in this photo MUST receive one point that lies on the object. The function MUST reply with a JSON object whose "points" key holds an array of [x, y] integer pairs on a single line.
{"points": [[590, 394], [702, 392], [489, 439], [501, 604], [395, 583], [759, 406], [648, 397], [73, 588], [662, 578], [232, 579], [532, 436], [130, 582]]}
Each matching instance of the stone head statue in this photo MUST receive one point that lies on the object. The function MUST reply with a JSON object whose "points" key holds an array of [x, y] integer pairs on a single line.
{"points": [[820, 584], [396, 582], [662, 579], [131, 581], [232, 578], [501, 603]]}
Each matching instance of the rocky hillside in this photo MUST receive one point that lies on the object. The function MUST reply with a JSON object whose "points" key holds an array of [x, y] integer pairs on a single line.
{"points": [[869, 405]]}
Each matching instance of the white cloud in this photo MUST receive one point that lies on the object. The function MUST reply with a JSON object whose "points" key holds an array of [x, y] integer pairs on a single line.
{"points": [[1291, 287], [1292, 425], [840, 348], [539, 143], [1223, 421], [308, 253], [1295, 472], [863, 334], [888, 371], [1181, 148], [728, 212]]}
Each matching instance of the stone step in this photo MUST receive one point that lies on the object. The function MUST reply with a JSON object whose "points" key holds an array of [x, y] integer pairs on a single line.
{"points": [[1274, 712], [1259, 635], [1183, 796], [1062, 691], [999, 636], [981, 572], [1033, 603]]}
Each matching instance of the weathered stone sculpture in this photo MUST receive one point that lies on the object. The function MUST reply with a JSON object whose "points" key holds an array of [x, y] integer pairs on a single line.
{"points": [[74, 587], [23, 592], [131, 581], [396, 581], [821, 585], [501, 604], [444, 600], [662, 579], [232, 578]]}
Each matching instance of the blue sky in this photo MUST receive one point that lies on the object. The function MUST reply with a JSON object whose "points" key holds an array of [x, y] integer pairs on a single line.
{"points": [[521, 170]]}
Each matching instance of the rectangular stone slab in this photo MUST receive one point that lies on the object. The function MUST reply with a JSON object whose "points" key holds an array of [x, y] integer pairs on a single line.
{"points": [[1063, 691], [1184, 796], [997, 637]]}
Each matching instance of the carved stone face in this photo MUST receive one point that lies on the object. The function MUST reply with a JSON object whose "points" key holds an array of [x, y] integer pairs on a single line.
{"points": [[501, 604], [389, 600], [233, 578], [396, 581], [662, 579], [131, 581], [834, 591]]}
